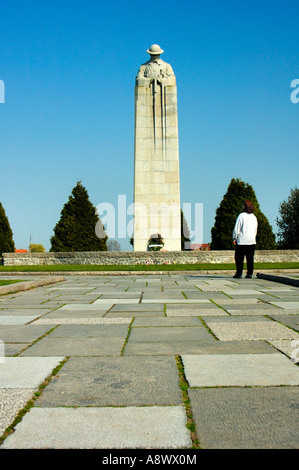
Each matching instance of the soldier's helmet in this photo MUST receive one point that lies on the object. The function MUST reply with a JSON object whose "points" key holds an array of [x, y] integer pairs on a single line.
{"points": [[155, 49]]}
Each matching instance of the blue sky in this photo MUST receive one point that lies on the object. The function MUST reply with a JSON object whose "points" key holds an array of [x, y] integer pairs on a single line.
{"points": [[69, 70]]}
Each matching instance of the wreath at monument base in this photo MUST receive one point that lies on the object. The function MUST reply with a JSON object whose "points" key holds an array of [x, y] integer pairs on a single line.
{"points": [[155, 242]]}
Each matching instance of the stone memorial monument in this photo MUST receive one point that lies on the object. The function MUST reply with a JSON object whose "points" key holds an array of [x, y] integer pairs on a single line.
{"points": [[156, 166]]}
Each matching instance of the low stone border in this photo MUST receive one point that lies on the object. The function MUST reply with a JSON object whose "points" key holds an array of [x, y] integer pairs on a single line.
{"points": [[281, 279], [136, 273], [22, 286], [104, 258], [116, 273]]}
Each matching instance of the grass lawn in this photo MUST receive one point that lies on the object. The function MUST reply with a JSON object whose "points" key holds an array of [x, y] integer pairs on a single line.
{"points": [[151, 267], [5, 283]]}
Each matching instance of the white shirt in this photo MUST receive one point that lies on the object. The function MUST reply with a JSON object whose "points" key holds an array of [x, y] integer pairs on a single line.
{"points": [[245, 229]]}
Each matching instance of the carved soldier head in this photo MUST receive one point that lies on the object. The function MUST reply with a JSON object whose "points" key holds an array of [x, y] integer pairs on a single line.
{"points": [[155, 51]]}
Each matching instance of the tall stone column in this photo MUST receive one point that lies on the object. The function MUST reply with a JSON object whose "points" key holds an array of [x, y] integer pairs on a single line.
{"points": [[156, 172]]}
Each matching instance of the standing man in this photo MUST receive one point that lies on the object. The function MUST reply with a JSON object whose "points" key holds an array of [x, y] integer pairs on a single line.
{"points": [[244, 237]]}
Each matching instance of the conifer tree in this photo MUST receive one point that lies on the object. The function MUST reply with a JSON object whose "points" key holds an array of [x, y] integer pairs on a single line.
{"points": [[185, 234], [227, 212], [288, 222], [75, 230], [6, 236]]}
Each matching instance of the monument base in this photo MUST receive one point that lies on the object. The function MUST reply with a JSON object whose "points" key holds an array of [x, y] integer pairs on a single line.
{"points": [[170, 245]]}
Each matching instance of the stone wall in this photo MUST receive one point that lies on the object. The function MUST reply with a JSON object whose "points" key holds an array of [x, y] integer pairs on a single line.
{"points": [[134, 258]]}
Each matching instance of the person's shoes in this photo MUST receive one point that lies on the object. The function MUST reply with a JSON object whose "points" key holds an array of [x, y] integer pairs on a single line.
{"points": [[248, 276], [237, 276]]}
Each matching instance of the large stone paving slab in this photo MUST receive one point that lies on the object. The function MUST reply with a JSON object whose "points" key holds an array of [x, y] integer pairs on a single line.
{"points": [[229, 319], [126, 297], [204, 295], [170, 334], [87, 307], [29, 296], [41, 304], [215, 286], [26, 306], [289, 311], [11, 401], [286, 298], [120, 381], [22, 333], [102, 428], [287, 305], [91, 331], [75, 314], [11, 349], [82, 321], [246, 292], [289, 347], [113, 301], [15, 320], [171, 348], [206, 305], [227, 301], [246, 418], [250, 330], [25, 372], [254, 311], [277, 290], [66, 346], [291, 321], [163, 296], [77, 298], [138, 308], [55, 305], [184, 312], [166, 321], [24, 312], [240, 370], [68, 289], [259, 306], [160, 300], [134, 314]]}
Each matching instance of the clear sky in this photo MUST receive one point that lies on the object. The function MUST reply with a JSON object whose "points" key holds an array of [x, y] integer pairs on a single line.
{"points": [[69, 70]]}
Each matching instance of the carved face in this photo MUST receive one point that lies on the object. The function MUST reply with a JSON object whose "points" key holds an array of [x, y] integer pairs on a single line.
{"points": [[155, 56]]}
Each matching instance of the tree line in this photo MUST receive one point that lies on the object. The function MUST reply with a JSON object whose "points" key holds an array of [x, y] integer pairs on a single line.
{"points": [[75, 231]]}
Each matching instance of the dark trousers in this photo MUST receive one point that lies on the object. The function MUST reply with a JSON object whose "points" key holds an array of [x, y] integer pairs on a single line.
{"points": [[241, 252]]}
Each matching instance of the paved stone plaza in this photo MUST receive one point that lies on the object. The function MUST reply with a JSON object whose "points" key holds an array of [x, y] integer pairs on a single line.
{"points": [[118, 344]]}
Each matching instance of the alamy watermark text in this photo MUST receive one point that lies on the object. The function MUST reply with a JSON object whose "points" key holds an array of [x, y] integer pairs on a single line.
{"points": [[295, 93], [2, 92]]}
